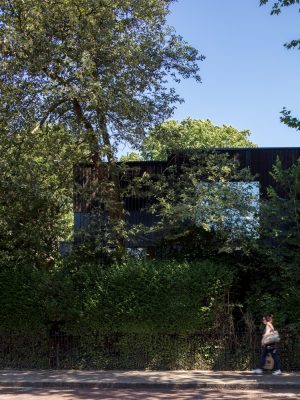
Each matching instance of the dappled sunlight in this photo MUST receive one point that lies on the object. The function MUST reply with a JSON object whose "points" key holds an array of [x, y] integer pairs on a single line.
{"points": [[145, 394], [146, 385], [188, 378]]}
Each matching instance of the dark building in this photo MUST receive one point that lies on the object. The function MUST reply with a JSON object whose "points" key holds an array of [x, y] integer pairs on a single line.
{"points": [[258, 160]]}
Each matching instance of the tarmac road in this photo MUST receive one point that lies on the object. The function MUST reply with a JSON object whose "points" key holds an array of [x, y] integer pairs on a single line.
{"points": [[27, 393]]}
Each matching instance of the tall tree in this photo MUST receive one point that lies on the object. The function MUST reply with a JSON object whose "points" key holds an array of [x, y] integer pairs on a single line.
{"points": [[277, 6], [191, 133], [97, 68]]}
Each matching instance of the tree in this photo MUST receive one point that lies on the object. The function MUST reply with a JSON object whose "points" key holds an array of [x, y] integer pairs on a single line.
{"points": [[203, 204], [277, 7], [191, 133], [132, 156], [36, 185], [274, 283], [98, 69], [281, 220]]}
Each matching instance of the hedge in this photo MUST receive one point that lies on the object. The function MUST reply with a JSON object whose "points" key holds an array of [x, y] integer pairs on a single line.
{"points": [[136, 296]]}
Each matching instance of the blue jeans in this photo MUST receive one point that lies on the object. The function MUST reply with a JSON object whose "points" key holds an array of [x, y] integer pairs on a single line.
{"points": [[273, 351]]}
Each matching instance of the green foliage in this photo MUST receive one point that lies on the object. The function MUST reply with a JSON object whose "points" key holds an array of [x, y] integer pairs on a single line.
{"points": [[191, 133], [283, 303], [21, 300], [132, 156], [164, 296], [289, 120], [131, 351], [275, 288], [278, 5], [36, 184], [158, 351], [291, 304], [281, 219], [98, 68], [136, 296], [193, 199]]}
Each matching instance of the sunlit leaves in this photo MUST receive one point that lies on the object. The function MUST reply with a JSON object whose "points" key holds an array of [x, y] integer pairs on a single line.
{"points": [[113, 57], [191, 133]]}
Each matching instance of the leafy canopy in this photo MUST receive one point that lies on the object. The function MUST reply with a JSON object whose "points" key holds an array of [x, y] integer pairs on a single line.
{"points": [[191, 133], [98, 68]]}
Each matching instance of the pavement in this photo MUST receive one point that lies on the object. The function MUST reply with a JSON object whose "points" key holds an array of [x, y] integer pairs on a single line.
{"points": [[193, 379]]}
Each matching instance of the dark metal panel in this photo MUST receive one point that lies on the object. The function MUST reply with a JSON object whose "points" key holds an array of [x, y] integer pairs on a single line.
{"points": [[261, 160], [85, 176], [143, 239], [81, 220], [258, 160]]}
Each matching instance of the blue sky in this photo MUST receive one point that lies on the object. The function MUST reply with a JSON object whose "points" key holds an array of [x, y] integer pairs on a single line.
{"points": [[247, 76]]}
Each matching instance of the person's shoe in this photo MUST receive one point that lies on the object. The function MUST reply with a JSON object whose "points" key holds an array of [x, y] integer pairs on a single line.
{"points": [[278, 372], [257, 371]]}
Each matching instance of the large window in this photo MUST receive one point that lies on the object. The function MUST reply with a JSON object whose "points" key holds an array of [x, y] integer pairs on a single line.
{"points": [[230, 206]]}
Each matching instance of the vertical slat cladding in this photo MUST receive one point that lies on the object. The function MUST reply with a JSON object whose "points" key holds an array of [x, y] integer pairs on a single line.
{"points": [[260, 167], [259, 160], [264, 159]]}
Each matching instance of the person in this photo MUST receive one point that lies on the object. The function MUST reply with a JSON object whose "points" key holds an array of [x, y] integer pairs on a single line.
{"points": [[270, 348]]}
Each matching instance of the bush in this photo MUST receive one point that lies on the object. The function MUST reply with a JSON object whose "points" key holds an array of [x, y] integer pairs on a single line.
{"points": [[135, 296], [164, 296]]}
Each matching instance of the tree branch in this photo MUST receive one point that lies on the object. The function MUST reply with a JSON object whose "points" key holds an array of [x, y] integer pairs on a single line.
{"points": [[93, 140], [51, 109], [81, 117]]}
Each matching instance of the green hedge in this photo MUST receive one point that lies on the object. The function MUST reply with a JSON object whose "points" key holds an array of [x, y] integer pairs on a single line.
{"points": [[136, 296], [138, 314]]}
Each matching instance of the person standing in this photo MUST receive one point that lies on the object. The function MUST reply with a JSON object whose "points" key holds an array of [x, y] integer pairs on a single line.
{"points": [[269, 348]]}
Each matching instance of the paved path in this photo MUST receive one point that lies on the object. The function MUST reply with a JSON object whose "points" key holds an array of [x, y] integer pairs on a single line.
{"points": [[147, 379], [145, 394]]}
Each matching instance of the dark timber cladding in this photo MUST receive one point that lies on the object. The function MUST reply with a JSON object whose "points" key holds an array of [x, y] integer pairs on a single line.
{"points": [[259, 161], [85, 177]]}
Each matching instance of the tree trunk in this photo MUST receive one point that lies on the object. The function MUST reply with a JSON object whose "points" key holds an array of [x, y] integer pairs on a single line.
{"points": [[112, 196], [114, 201]]}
